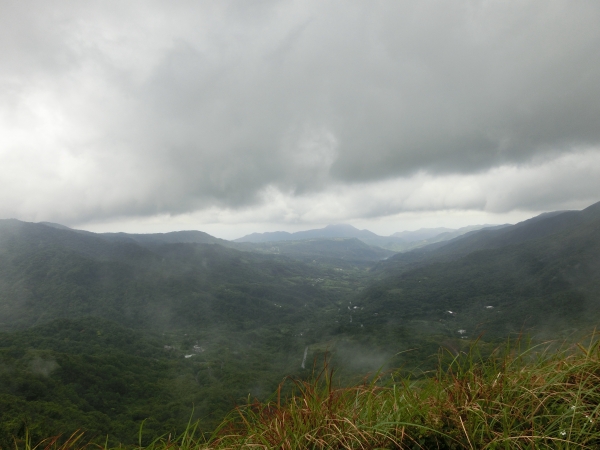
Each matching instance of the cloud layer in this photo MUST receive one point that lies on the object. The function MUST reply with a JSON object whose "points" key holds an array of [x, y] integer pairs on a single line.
{"points": [[302, 111]]}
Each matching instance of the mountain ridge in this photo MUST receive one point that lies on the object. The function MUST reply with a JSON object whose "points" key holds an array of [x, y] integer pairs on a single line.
{"points": [[399, 241], [230, 322], [541, 276]]}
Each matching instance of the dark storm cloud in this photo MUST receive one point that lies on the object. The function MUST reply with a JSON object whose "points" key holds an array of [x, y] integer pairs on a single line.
{"points": [[156, 107]]}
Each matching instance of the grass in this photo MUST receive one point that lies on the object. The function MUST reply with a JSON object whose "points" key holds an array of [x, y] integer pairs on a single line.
{"points": [[512, 399]]}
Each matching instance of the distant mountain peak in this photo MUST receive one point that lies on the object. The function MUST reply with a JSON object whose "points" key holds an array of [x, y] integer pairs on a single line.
{"points": [[341, 230], [55, 225], [403, 241], [340, 226]]}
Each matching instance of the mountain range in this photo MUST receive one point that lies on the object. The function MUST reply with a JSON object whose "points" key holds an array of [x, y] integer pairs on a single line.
{"points": [[201, 323], [400, 241]]}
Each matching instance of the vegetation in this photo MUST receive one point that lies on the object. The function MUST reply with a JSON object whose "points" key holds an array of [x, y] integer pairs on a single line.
{"points": [[510, 399], [104, 333], [536, 398]]}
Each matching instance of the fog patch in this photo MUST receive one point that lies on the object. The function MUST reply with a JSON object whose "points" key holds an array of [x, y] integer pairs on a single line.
{"points": [[362, 359], [44, 367]]}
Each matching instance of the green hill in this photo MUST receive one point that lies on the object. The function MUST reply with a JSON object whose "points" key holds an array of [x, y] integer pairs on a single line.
{"points": [[47, 273], [540, 277], [104, 331]]}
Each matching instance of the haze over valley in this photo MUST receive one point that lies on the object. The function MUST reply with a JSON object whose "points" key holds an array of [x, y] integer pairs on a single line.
{"points": [[207, 204], [205, 322]]}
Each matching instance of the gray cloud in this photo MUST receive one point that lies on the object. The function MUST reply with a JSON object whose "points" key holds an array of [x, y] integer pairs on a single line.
{"points": [[122, 109]]}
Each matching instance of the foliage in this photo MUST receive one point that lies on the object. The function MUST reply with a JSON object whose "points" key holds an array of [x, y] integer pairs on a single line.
{"points": [[103, 334], [539, 397], [510, 399]]}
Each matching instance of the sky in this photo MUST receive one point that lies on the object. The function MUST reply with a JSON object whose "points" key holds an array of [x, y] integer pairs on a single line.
{"points": [[234, 117]]}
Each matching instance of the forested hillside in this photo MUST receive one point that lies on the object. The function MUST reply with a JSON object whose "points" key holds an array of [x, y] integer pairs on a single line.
{"points": [[220, 323], [540, 277], [103, 331]]}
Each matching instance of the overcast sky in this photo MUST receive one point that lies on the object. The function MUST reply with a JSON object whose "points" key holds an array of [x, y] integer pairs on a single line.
{"points": [[233, 117]]}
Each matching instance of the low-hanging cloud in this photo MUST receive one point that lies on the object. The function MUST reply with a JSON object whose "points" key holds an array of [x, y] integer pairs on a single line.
{"points": [[531, 186], [141, 108]]}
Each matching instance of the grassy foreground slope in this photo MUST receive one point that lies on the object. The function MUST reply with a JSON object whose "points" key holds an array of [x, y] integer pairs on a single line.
{"points": [[509, 399]]}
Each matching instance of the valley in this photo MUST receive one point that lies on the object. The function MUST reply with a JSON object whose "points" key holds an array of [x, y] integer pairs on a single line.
{"points": [[105, 331]]}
